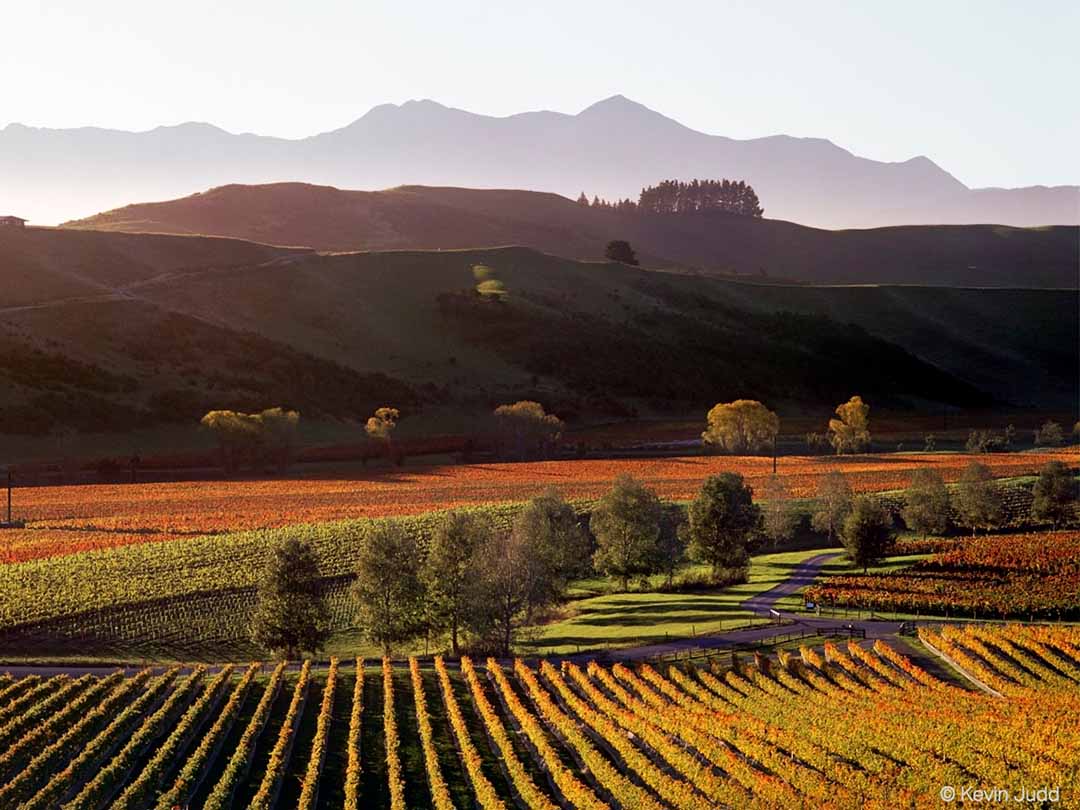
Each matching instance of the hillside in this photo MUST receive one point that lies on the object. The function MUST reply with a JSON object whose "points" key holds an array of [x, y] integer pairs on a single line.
{"points": [[167, 339], [612, 149], [427, 218]]}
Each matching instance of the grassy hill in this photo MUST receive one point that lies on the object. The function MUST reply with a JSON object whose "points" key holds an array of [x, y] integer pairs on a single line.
{"points": [[168, 333], [429, 218]]}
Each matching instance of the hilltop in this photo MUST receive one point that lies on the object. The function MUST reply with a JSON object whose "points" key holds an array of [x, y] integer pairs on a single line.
{"points": [[223, 323], [430, 218], [612, 149]]}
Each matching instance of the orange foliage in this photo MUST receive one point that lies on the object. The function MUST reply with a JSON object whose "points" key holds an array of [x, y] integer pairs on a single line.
{"points": [[66, 519]]}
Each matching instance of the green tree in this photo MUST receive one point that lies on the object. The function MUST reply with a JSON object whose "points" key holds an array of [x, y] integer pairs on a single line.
{"points": [[291, 615], [506, 574], [626, 524], [926, 503], [251, 438], [619, 250], [834, 503], [1055, 494], [850, 431], [977, 499], [721, 520], [778, 514], [1049, 435], [582, 200], [744, 425], [549, 526], [866, 533], [525, 430], [388, 589], [448, 570]]}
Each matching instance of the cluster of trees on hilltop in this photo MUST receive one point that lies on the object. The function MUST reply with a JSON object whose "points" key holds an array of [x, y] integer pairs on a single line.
{"points": [[680, 197]]}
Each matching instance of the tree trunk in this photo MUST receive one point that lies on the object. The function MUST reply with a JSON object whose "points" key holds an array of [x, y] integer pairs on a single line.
{"points": [[454, 639]]}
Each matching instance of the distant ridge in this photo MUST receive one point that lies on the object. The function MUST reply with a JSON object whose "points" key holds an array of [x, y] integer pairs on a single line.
{"points": [[427, 218], [611, 148]]}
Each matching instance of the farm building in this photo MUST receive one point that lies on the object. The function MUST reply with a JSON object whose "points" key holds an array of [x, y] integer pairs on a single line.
{"points": [[12, 222]]}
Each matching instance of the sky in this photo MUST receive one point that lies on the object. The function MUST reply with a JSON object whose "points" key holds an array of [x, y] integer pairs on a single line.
{"points": [[985, 89]]}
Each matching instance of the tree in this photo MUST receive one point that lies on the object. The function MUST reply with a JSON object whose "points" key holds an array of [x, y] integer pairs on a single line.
{"points": [[850, 433], [449, 568], [583, 201], [834, 503], [744, 425], [291, 615], [1055, 494], [677, 197], [619, 250], [778, 516], [549, 526], [526, 428], [253, 438], [382, 425], [388, 590], [1049, 435], [507, 569], [721, 519], [626, 524], [674, 541], [866, 533], [278, 434], [926, 503], [977, 499]]}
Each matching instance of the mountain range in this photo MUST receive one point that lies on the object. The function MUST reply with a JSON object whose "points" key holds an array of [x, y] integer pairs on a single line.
{"points": [[611, 149], [710, 242]]}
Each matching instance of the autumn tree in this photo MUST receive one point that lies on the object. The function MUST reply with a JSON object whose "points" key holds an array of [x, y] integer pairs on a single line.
{"points": [[525, 430], [833, 503], [850, 431], [1055, 494], [388, 589], [866, 533], [720, 521], [626, 524], [448, 571], [977, 499], [253, 438], [926, 503], [742, 426], [779, 518], [291, 615], [619, 250]]}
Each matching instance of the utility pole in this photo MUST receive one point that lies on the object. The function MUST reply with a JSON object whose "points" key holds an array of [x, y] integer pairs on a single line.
{"points": [[10, 481], [774, 455]]}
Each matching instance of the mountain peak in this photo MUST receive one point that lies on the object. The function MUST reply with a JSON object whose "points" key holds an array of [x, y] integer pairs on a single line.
{"points": [[616, 103]]}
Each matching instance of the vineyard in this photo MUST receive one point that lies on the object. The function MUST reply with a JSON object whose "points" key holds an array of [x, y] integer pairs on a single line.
{"points": [[846, 727], [71, 519], [1016, 575]]}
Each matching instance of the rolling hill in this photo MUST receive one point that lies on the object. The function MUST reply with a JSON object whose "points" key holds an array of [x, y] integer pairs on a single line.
{"points": [[163, 328], [611, 149], [428, 218]]}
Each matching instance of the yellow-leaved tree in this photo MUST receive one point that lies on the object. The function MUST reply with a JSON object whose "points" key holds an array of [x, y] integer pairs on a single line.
{"points": [[850, 431], [742, 426]]}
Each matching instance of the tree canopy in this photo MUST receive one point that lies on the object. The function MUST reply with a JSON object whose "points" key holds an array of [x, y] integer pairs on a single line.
{"points": [[619, 250], [388, 589], [626, 524], [1055, 494], [721, 519], [926, 503], [850, 431], [253, 438], [977, 498], [677, 197], [866, 532], [291, 615], [525, 430], [742, 426]]}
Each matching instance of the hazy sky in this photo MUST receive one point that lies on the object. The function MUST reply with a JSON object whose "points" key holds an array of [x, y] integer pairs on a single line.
{"points": [[986, 89]]}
